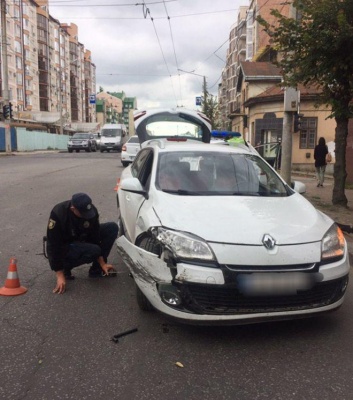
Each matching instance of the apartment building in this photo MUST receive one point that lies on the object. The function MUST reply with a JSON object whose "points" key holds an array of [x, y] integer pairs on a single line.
{"points": [[109, 108], [50, 74]]}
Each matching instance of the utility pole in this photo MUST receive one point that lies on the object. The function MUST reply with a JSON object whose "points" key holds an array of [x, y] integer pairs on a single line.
{"points": [[5, 74], [290, 107]]}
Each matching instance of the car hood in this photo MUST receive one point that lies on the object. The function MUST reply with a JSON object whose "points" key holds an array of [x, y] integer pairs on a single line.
{"points": [[243, 219]]}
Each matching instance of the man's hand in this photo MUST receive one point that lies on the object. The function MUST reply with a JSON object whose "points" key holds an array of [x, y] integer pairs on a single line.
{"points": [[107, 268], [60, 283]]}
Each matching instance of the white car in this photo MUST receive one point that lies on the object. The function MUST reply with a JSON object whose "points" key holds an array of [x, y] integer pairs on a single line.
{"points": [[213, 235], [129, 150]]}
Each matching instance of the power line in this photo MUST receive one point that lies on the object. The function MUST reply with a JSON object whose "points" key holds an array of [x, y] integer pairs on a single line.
{"points": [[175, 56], [147, 10]]}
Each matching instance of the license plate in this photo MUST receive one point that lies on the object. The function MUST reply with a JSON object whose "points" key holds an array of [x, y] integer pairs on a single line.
{"points": [[274, 284]]}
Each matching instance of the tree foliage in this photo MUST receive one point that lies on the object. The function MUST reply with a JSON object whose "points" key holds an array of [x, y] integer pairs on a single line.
{"points": [[315, 49], [210, 106]]}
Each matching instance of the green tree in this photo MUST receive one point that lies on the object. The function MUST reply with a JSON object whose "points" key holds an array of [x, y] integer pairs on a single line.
{"points": [[210, 106], [315, 49], [213, 111]]}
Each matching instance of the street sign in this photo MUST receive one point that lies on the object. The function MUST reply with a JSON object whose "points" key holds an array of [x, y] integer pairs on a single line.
{"points": [[92, 99], [198, 100]]}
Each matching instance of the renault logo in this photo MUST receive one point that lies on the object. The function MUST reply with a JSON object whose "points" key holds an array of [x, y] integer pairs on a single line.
{"points": [[268, 241]]}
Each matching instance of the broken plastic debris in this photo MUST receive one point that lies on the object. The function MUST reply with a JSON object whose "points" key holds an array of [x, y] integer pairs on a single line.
{"points": [[179, 364]]}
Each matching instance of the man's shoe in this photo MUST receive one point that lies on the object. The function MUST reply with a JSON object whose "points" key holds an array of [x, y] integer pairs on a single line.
{"points": [[95, 273], [68, 275]]}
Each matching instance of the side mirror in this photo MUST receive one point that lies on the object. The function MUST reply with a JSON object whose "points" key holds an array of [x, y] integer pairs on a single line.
{"points": [[133, 185], [298, 187]]}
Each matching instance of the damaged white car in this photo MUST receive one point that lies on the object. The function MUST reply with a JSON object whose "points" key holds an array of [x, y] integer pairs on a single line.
{"points": [[212, 234]]}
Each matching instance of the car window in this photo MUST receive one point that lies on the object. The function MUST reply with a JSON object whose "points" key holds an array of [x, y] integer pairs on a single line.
{"points": [[138, 164], [212, 173], [80, 136], [134, 139]]}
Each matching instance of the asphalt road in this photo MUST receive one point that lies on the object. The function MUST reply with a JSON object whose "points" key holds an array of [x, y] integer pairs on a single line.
{"points": [[59, 347]]}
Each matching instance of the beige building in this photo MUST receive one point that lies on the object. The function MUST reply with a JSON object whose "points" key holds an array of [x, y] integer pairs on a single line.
{"points": [[252, 98]]}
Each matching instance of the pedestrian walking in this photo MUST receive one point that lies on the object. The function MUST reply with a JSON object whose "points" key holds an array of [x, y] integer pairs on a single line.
{"points": [[75, 237], [320, 154]]}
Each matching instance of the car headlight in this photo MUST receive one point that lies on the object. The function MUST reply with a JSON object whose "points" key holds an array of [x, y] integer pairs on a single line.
{"points": [[184, 245], [70, 143], [332, 244]]}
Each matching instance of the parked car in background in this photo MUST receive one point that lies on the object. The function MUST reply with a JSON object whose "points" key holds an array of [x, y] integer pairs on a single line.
{"points": [[97, 137], [82, 141], [113, 136], [213, 235], [129, 150]]}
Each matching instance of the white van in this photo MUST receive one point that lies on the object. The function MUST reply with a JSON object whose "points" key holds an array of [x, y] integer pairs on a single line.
{"points": [[113, 136]]}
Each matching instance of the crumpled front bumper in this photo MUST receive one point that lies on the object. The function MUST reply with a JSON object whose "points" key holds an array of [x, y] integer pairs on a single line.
{"points": [[211, 298]]}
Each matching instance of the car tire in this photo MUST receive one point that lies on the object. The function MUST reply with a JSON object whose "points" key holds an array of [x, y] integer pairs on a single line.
{"points": [[78, 150], [125, 163], [70, 150], [151, 245], [101, 150], [142, 301]]}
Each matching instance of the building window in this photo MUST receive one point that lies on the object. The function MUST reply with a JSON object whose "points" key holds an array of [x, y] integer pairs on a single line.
{"points": [[18, 62], [19, 78], [19, 94], [308, 133]]}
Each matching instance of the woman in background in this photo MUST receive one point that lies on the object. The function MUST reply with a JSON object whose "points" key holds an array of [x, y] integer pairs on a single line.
{"points": [[320, 153]]}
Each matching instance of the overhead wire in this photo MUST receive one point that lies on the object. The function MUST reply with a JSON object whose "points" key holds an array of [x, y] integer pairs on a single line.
{"points": [[147, 10], [174, 51]]}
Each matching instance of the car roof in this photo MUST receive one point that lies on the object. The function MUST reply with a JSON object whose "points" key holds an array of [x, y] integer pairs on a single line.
{"points": [[170, 145]]}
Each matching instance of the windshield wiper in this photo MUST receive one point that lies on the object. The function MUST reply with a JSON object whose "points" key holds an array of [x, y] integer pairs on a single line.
{"points": [[182, 192]]}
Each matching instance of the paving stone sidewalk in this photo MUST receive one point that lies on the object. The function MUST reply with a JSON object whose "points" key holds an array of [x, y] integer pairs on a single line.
{"points": [[321, 198]]}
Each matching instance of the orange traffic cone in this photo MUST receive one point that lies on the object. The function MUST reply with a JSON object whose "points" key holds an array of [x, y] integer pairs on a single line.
{"points": [[12, 284], [116, 188]]}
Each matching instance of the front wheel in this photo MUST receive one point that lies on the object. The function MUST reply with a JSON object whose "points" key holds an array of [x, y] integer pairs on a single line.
{"points": [[125, 163], [150, 244], [142, 300]]}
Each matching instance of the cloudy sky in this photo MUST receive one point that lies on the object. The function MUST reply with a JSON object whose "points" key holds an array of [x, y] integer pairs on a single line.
{"points": [[144, 47]]}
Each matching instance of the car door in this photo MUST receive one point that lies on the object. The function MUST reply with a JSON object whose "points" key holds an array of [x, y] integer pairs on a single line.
{"points": [[130, 203]]}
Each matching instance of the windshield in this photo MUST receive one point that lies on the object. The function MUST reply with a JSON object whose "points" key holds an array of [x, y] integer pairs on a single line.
{"points": [[111, 132], [211, 173], [80, 136]]}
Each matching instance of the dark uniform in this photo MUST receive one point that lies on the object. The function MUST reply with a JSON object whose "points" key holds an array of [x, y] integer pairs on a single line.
{"points": [[73, 241]]}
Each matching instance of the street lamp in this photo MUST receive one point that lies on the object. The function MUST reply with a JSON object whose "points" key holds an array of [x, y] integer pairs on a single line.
{"points": [[204, 81]]}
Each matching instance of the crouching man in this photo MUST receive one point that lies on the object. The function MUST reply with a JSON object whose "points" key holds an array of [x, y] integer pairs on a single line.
{"points": [[75, 237]]}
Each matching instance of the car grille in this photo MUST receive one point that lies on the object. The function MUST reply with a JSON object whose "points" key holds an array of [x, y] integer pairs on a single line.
{"points": [[279, 268], [226, 299]]}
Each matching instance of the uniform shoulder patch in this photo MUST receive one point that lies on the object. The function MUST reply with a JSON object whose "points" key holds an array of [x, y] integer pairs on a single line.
{"points": [[51, 223]]}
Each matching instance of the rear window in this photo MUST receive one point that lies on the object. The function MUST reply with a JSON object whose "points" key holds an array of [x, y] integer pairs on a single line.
{"points": [[134, 139]]}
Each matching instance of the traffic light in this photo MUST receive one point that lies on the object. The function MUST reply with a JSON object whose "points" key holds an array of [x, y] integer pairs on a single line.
{"points": [[297, 122], [6, 111], [10, 111]]}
